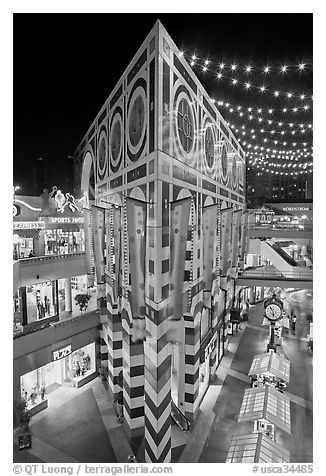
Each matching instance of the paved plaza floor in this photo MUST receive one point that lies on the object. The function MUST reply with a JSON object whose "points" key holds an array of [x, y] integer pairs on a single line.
{"points": [[81, 425]]}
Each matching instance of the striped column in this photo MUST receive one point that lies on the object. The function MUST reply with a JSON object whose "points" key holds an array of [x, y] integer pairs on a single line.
{"points": [[157, 389], [133, 377], [192, 360], [132, 352], [113, 328], [156, 347]]}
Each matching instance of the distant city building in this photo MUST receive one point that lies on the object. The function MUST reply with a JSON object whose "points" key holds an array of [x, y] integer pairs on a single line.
{"points": [[263, 187]]}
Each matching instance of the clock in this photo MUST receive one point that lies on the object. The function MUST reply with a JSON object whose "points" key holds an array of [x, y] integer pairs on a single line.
{"points": [[273, 312]]}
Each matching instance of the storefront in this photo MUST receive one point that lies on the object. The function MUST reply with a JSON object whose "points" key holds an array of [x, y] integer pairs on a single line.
{"points": [[41, 301], [68, 290], [63, 235], [204, 366], [44, 226], [66, 369], [62, 356]]}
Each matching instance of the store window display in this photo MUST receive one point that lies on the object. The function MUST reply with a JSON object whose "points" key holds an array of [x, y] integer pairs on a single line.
{"points": [[83, 362], [63, 242], [41, 301]]}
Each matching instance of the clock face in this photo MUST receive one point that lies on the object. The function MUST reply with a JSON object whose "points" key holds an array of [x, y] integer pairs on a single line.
{"points": [[273, 312], [136, 121]]}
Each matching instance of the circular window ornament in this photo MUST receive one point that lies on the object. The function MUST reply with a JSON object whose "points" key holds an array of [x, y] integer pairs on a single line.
{"points": [[185, 125]]}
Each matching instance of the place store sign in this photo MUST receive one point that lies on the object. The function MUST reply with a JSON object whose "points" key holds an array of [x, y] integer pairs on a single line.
{"points": [[61, 353]]}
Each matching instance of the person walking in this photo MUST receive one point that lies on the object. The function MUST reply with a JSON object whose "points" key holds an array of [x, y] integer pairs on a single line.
{"points": [[294, 320]]}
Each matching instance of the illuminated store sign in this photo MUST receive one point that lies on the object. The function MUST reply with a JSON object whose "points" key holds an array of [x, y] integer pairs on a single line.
{"points": [[61, 353], [66, 220], [296, 209], [28, 225]]}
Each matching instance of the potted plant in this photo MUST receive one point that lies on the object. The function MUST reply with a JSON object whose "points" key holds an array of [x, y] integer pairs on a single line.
{"points": [[23, 415], [82, 301]]}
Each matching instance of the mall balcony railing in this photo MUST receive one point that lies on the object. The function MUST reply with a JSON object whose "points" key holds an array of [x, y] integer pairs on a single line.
{"points": [[31, 340], [70, 251], [34, 270], [67, 320], [297, 274], [280, 226]]}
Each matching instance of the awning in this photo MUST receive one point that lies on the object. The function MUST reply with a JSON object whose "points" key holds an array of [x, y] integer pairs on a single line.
{"points": [[266, 403], [271, 364], [256, 448]]}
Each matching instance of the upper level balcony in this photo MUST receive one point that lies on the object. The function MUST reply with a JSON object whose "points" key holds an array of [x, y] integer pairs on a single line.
{"points": [[47, 268], [277, 230], [299, 277], [32, 337]]}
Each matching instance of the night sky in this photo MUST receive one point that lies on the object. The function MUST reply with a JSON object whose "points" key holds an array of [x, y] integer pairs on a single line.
{"points": [[65, 66]]}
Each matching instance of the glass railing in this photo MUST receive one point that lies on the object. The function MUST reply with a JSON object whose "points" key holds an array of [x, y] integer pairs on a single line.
{"points": [[37, 259]]}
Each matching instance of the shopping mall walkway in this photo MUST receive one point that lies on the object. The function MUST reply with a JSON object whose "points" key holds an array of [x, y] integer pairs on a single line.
{"points": [[80, 425], [233, 380]]}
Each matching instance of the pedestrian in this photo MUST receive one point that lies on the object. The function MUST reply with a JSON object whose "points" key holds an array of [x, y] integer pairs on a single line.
{"points": [[31, 254], [294, 320]]}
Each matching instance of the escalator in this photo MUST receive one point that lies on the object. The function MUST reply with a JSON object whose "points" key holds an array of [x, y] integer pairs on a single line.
{"points": [[179, 418], [278, 257], [282, 253]]}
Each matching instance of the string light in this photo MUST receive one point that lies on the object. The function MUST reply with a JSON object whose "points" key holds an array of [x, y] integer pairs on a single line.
{"points": [[260, 110], [269, 68], [272, 145], [248, 69]]}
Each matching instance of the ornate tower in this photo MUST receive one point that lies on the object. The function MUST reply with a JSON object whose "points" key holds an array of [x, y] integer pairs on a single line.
{"points": [[160, 151]]}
